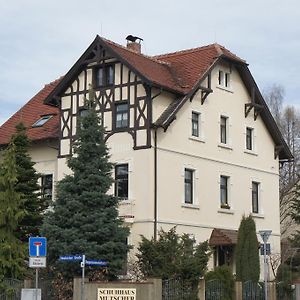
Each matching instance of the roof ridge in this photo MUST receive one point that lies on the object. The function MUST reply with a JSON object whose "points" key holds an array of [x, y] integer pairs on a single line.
{"points": [[185, 51], [134, 52]]}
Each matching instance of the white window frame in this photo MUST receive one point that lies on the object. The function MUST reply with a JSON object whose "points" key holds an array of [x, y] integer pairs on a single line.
{"points": [[224, 79], [254, 139], [200, 137], [195, 203], [228, 144], [230, 209], [260, 213]]}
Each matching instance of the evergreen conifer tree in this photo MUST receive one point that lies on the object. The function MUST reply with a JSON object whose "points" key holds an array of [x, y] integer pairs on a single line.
{"points": [[27, 184], [84, 219], [11, 213], [247, 254]]}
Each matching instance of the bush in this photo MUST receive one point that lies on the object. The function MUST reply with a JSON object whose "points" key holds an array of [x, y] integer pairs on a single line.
{"points": [[224, 275]]}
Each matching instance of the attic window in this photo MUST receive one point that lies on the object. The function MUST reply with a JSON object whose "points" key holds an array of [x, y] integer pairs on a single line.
{"points": [[40, 122]]}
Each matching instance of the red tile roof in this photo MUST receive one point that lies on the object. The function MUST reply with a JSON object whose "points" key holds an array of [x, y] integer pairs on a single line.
{"points": [[178, 71], [221, 237], [29, 114]]}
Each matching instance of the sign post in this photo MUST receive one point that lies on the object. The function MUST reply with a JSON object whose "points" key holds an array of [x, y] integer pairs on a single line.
{"points": [[82, 278], [265, 234], [37, 257]]}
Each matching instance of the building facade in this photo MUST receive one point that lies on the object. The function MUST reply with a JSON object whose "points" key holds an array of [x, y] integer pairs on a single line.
{"points": [[193, 142]]}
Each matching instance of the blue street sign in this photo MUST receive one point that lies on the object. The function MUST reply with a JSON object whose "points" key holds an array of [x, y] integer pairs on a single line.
{"points": [[70, 257], [37, 246], [268, 249], [101, 263]]}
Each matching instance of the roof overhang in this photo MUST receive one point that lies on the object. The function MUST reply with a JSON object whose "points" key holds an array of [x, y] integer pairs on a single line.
{"points": [[223, 237]]}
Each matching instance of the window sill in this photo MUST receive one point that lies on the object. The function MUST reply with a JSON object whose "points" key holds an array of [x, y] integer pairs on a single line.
{"points": [[192, 206], [224, 88], [258, 215], [197, 139], [226, 211], [225, 146], [251, 152], [124, 202]]}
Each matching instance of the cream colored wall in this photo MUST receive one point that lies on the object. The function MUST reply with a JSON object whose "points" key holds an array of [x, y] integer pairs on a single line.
{"points": [[178, 150], [44, 155]]}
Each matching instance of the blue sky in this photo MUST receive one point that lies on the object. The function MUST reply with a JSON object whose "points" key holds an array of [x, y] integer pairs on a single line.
{"points": [[41, 40]]}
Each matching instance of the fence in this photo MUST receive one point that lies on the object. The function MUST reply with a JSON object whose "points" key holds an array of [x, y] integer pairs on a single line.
{"points": [[178, 289], [11, 289]]}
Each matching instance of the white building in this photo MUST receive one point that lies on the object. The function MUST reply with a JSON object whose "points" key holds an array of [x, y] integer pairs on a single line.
{"points": [[193, 140]]}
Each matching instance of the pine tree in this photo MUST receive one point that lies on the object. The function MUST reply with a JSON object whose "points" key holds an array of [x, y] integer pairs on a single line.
{"points": [[247, 254], [11, 213], [84, 219], [27, 185]]}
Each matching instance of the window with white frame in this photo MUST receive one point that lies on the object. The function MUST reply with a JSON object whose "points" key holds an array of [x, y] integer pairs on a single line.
{"points": [[195, 124], [188, 186], [224, 130], [224, 79], [249, 139], [255, 197], [121, 181], [224, 201]]}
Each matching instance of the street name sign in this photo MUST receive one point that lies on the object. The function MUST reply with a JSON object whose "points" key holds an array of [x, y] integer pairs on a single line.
{"points": [[37, 262], [37, 246], [70, 257], [102, 263]]}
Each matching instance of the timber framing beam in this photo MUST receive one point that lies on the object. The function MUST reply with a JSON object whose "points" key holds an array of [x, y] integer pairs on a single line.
{"points": [[257, 107]]}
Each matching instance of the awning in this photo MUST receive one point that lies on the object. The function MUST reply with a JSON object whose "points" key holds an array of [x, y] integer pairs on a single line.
{"points": [[221, 237]]}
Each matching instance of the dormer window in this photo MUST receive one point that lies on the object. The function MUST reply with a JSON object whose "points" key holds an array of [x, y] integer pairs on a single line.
{"points": [[40, 122], [104, 76]]}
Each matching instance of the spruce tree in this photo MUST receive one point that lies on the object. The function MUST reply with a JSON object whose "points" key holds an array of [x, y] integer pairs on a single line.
{"points": [[247, 254], [27, 185], [11, 213], [84, 219]]}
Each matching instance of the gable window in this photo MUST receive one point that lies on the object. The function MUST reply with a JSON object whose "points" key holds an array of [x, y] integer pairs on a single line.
{"points": [[188, 186], [47, 186], [40, 122], [249, 138], [121, 115], [104, 76], [255, 197], [223, 129], [121, 181], [195, 124], [224, 79], [224, 192]]}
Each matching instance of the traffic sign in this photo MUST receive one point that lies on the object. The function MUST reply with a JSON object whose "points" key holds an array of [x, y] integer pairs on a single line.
{"points": [[70, 257], [102, 263], [37, 246], [265, 234], [37, 262], [268, 249]]}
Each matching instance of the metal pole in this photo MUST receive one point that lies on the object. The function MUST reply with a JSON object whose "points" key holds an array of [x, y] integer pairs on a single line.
{"points": [[265, 270], [82, 278], [36, 282]]}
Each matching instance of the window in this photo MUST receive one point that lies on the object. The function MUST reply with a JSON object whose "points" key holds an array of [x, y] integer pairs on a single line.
{"points": [[188, 186], [104, 76], [121, 115], [249, 138], [195, 124], [223, 129], [224, 191], [224, 79], [47, 186], [121, 181], [255, 197], [40, 122]]}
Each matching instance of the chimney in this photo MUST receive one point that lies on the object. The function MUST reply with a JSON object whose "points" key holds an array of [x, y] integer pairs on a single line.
{"points": [[132, 43]]}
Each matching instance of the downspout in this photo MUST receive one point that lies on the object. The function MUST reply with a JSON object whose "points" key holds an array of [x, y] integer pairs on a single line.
{"points": [[155, 184], [155, 173]]}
